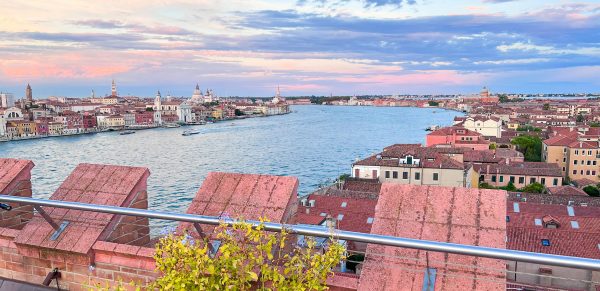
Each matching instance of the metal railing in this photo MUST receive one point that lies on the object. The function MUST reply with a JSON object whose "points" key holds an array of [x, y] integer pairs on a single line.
{"points": [[469, 250]]}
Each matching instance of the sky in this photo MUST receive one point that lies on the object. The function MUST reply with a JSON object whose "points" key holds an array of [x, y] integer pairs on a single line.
{"points": [[307, 47]]}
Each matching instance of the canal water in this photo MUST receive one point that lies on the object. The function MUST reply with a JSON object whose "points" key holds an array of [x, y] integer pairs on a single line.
{"points": [[314, 143]]}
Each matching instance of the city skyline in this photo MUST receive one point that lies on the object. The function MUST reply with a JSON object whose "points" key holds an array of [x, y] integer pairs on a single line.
{"points": [[306, 47]]}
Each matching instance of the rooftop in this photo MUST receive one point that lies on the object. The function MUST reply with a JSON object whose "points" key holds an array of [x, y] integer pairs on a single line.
{"points": [[458, 215]]}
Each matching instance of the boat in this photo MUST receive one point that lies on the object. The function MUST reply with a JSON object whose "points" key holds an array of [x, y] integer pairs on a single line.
{"points": [[127, 132], [171, 125], [190, 132], [432, 128]]}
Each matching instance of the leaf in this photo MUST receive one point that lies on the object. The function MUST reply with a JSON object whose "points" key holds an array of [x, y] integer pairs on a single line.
{"points": [[253, 275]]}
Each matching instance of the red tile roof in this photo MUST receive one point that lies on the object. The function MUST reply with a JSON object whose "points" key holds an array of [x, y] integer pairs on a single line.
{"points": [[523, 233], [429, 157], [566, 190], [355, 213], [88, 183], [450, 130], [521, 168], [458, 215], [246, 196], [10, 170], [562, 139]]}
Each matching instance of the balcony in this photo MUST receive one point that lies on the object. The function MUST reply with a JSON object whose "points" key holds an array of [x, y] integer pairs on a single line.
{"points": [[395, 262]]}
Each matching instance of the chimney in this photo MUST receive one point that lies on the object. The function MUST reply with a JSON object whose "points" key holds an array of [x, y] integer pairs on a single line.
{"points": [[487, 169], [330, 222]]}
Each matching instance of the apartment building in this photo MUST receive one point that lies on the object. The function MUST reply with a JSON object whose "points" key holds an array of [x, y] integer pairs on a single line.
{"points": [[415, 165], [578, 158]]}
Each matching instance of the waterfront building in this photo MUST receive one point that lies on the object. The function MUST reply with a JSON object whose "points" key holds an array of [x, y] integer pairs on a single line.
{"points": [[158, 109], [415, 165], [145, 118], [277, 99], [6, 100], [486, 125], [184, 112], [2, 123], [458, 137], [197, 97], [89, 121], [129, 118], [42, 125], [24, 128]]}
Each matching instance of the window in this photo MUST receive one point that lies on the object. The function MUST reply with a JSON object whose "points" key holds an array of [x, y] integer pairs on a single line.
{"points": [[574, 224], [494, 178], [564, 160], [507, 218], [387, 174], [593, 173], [589, 153], [531, 180], [546, 242], [409, 160], [594, 163], [587, 172], [564, 169], [576, 152], [436, 176], [574, 162], [395, 174], [589, 163], [555, 182], [344, 204], [404, 175], [574, 172], [543, 181], [417, 176], [511, 179], [537, 222], [340, 217], [501, 178], [370, 220], [581, 172], [564, 150]]}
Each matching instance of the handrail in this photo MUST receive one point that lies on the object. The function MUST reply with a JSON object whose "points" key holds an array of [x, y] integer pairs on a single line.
{"points": [[478, 251]]}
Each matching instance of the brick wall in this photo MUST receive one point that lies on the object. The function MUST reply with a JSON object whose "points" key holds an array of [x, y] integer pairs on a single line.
{"points": [[15, 180], [109, 262]]}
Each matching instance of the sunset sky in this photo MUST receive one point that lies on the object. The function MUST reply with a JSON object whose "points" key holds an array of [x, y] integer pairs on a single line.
{"points": [[247, 48]]}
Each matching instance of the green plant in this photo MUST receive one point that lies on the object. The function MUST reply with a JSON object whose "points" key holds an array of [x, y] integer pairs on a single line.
{"points": [[248, 258], [493, 146], [509, 187], [433, 103], [530, 146], [533, 188], [591, 190]]}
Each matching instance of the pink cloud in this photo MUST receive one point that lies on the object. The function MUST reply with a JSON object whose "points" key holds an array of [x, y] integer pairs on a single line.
{"points": [[432, 77]]}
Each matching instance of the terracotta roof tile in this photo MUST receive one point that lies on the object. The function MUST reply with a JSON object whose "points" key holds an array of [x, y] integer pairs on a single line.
{"points": [[439, 214], [10, 170], [82, 185], [566, 190], [247, 196], [356, 212], [523, 233]]}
